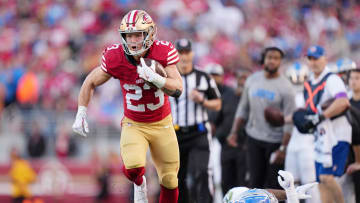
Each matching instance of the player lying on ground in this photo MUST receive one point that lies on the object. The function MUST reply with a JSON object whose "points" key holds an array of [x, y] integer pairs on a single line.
{"points": [[285, 179]]}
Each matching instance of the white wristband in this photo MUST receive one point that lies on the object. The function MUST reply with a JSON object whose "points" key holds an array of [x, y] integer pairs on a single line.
{"points": [[159, 81], [292, 196]]}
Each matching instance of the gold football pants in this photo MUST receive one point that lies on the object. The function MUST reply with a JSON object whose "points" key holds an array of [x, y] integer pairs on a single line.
{"points": [[137, 137]]}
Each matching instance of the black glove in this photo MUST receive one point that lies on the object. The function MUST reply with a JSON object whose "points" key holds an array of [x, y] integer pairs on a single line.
{"points": [[306, 121], [315, 119]]}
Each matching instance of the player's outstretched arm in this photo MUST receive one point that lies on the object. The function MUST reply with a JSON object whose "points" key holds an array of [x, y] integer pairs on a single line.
{"points": [[293, 195], [279, 194], [95, 78]]}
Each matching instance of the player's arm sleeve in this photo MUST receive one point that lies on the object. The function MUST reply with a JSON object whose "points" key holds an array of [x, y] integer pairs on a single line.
{"points": [[103, 63], [169, 54], [243, 106], [108, 60], [172, 56], [336, 87], [212, 92], [288, 105]]}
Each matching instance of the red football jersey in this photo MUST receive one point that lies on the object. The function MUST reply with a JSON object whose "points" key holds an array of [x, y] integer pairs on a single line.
{"points": [[142, 103]]}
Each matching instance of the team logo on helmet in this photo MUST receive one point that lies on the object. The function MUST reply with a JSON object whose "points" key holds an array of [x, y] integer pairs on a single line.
{"points": [[184, 42], [147, 19], [297, 73], [244, 195], [313, 49]]}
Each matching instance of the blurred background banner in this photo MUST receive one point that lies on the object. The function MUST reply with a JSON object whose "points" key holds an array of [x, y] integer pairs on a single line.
{"points": [[47, 47]]}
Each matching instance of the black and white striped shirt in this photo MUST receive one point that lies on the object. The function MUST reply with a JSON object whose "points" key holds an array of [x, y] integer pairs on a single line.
{"points": [[186, 112]]}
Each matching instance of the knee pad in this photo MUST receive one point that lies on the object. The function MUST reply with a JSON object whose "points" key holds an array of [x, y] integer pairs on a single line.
{"points": [[169, 180], [134, 174]]}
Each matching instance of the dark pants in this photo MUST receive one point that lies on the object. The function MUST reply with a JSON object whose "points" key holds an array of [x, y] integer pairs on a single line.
{"points": [[233, 167], [262, 173], [356, 179], [194, 177]]}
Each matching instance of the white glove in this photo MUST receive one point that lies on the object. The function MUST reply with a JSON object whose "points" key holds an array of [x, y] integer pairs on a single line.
{"points": [[286, 181], [80, 125], [149, 74], [302, 189]]}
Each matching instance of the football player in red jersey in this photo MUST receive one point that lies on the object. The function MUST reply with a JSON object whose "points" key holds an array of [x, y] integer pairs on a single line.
{"points": [[147, 121]]}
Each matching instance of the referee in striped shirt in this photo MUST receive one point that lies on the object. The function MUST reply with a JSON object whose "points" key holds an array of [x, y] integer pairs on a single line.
{"points": [[192, 127]]}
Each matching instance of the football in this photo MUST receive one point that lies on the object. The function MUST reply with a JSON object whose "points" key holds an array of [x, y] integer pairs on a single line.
{"points": [[159, 69], [274, 116]]}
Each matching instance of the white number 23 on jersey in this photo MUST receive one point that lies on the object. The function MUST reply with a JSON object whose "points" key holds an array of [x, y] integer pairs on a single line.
{"points": [[137, 95]]}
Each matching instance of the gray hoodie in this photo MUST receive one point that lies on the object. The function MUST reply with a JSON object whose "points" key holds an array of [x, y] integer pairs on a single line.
{"points": [[259, 93]]}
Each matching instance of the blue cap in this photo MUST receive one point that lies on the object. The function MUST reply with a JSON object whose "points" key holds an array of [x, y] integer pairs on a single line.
{"points": [[316, 51]]}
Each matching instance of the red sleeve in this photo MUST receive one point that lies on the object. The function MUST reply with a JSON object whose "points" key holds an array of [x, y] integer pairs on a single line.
{"points": [[166, 53], [109, 59], [172, 56]]}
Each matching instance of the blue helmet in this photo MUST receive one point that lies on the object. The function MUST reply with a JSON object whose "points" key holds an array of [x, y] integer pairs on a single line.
{"points": [[297, 73], [244, 195], [344, 65]]}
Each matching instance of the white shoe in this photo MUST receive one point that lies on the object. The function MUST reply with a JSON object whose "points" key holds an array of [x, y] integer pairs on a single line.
{"points": [[140, 195]]}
